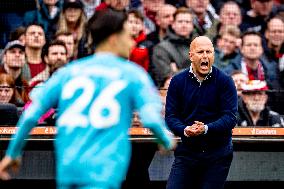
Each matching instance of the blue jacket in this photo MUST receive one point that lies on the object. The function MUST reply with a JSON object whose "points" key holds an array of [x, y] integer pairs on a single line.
{"points": [[42, 17], [269, 68], [213, 102]]}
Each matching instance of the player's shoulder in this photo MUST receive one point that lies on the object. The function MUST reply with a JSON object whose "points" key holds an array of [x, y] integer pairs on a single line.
{"points": [[80, 66], [82, 62], [134, 68], [136, 72], [107, 62]]}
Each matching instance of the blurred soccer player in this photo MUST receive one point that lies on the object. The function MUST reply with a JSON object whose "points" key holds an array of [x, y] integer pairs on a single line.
{"points": [[95, 97]]}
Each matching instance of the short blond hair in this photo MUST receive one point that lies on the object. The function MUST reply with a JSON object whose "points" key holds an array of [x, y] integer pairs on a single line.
{"points": [[231, 30]]}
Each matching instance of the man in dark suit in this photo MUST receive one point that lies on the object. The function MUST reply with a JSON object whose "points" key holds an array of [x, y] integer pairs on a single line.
{"points": [[201, 108]]}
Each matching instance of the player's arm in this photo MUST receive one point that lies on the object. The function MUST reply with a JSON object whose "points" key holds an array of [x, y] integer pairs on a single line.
{"points": [[148, 103], [12, 158]]}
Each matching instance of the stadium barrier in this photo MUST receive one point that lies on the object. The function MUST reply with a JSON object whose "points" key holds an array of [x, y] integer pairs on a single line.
{"points": [[258, 153]]}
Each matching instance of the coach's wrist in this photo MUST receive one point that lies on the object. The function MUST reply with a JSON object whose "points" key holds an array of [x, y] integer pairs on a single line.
{"points": [[205, 129]]}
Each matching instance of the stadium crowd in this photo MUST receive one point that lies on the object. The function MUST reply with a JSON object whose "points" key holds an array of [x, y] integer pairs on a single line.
{"points": [[39, 36]]}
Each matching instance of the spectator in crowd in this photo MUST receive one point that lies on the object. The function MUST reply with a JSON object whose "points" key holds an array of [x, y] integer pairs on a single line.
{"points": [[139, 53], [18, 34], [239, 79], [136, 121], [253, 110], [253, 63], [9, 100], [90, 6], [36, 70], [73, 19], [201, 108], [121, 5], [46, 14], [255, 19], [8, 92], [13, 60], [228, 44], [274, 48], [164, 18], [274, 35], [171, 55], [245, 4], [68, 39], [203, 18], [55, 55], [230, 14], [149, 9]]}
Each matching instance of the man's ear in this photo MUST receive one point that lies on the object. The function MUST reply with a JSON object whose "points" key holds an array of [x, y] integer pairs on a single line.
{"points": [[190, 55]]}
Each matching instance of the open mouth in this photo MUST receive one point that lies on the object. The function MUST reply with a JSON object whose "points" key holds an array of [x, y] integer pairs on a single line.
{"points": [[204, 65]]}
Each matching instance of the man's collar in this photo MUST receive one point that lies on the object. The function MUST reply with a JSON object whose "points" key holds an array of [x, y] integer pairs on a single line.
{"points": [[193, 75]]}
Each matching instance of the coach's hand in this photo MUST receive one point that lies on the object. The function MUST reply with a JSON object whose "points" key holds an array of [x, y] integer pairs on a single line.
{"points": [[196, 129], [6, 164]]}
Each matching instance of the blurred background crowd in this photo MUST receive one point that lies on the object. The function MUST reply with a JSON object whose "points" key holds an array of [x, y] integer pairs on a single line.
{"points": [[37, 37]]}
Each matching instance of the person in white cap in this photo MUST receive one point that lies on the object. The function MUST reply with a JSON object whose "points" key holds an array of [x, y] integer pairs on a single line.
{"points": [[253, 110]]}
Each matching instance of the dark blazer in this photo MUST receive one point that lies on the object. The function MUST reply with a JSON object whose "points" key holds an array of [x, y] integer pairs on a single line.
{"points": [[213, 102]]}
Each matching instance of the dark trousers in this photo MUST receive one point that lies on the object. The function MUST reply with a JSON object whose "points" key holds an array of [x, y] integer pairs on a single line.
{"points": [[138, 176], [200, 170]]}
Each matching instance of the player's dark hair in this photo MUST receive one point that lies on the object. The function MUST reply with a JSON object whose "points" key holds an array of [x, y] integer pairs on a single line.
{"points": [[105, 23]]}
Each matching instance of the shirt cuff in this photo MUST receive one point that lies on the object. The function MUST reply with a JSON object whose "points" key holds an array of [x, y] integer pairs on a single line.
{"points": [[205, 129]]}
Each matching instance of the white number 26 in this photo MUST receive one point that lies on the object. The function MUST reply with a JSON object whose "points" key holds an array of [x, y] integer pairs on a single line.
{"points": [[105, 103]]}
